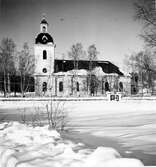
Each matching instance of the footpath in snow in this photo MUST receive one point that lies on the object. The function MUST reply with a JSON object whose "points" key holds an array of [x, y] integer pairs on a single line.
{"points": [[24, 146]]}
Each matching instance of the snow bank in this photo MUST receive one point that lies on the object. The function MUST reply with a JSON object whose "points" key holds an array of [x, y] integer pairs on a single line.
{"points": [[20, 134], [122, 162], [25, 146], [100, 155], [99, 72]]}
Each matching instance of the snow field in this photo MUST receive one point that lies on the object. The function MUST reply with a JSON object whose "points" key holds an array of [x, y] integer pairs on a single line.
{"points": [[25, 146], [131, 122]]}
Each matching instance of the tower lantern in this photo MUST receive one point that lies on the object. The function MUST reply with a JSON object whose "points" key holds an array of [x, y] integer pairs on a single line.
{"points": [[43, 25]]}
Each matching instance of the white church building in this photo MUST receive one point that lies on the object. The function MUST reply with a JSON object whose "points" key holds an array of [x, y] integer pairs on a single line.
{"points": [[57, 77]]}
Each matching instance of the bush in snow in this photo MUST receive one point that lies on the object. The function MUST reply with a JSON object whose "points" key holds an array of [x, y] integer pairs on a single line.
{"points": [[35, 117], [56, 115], [53, 112]]}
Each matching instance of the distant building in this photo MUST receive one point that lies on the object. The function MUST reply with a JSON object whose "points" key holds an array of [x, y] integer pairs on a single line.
{"points": [[56, 76]]}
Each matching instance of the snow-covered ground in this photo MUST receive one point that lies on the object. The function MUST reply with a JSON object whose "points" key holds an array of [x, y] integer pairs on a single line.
{"points": [[25, 146], [131, 123]]}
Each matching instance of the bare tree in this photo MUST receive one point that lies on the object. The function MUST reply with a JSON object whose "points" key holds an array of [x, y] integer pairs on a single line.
{"points": [[146, 12], [94, 84], [143, 64], [7, 51], [75, 54], [25, 68], [92, 56]]}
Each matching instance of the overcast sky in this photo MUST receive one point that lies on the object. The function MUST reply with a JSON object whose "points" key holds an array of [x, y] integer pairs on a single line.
{"points": [[109, 24]]}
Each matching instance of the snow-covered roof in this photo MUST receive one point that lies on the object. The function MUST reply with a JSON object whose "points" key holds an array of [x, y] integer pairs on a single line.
{"points": [[97, 71], [72, 72], [126, 74]]}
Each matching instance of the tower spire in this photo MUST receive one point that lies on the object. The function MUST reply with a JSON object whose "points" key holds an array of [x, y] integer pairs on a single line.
{"points": [[43, 15], [44, 24]]}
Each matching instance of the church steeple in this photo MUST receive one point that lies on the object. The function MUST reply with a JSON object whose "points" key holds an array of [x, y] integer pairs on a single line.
{"points": [[44, 50], [44, 37], [44, 25]]}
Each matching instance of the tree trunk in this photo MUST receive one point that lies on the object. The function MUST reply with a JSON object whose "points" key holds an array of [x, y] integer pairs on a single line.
{"points": [[14, 88], [8, 80], [5, 90], [72, 85], [21, 85], [102, 87]]}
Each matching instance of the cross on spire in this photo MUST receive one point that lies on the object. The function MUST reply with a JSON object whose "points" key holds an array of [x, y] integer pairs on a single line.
{"points": [[43, 15], [43, 20]]}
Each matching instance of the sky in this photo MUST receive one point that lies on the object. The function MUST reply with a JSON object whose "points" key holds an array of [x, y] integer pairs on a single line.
{"points": [[109, 24]]}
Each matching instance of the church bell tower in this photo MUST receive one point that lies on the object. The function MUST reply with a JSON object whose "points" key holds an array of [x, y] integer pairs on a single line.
{"points": [[44, 50]]}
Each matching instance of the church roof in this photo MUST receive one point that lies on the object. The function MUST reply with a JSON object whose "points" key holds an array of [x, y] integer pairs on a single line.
{"points": [[44, 21], [44, 38], [66, 65]]}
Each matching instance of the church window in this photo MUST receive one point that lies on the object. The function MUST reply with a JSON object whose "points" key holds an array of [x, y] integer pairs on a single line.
{"points": [[44, 86], [107, 87], [44, 70], [44, 54], [77, 87], [136, 79], [44, 29], [61, 86], [120, 87]]}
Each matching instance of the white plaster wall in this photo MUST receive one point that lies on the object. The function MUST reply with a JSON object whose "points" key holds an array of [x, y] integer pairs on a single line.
{"points": [[126, 84], [65, 89], [82, 86], [43, 25], [67, 86], [41, 63]]}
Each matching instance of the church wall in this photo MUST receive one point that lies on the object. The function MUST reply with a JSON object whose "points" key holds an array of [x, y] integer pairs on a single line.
{"points": [[39, 85], [80, 85], [70, 87], [40, 63], [112, 85], [61, 91], [126, 81], [69, 84], [50, 90]]}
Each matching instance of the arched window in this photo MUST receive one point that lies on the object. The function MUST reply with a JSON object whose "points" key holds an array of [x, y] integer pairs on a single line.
{"points": [[136, 79], [107, 86], [44, 54], [44, 86], [44, 70], [120, 87], [44, 29], [61, 86], [77, 87]]}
